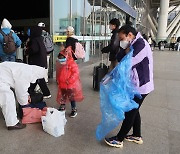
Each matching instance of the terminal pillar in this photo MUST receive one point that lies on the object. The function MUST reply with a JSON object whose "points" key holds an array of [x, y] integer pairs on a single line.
{"points": [[163, 18]]}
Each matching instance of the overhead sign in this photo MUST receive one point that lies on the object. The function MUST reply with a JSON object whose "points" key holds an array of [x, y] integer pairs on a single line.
{"points": [[58, 38], [62, 38]]}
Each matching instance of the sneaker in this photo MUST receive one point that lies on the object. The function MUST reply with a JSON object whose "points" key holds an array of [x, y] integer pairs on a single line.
{"points": [[73, 113], [113, 142], [62, 107], [17, 126], [46, 97], [135, 139]]}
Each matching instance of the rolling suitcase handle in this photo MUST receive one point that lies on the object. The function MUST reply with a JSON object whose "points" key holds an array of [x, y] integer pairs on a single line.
{"points": [[102, 60]]}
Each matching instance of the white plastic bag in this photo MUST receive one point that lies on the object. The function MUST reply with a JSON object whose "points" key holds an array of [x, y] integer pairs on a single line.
{"points": [[54, 121]]}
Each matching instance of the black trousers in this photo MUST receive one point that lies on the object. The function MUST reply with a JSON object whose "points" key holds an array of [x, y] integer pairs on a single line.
{"points": [[171, 46], [42, 84], [132, 119]]}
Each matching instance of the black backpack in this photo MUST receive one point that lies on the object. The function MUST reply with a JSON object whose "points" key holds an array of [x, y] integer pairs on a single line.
{"points": [[36, 97], [9, 45]]}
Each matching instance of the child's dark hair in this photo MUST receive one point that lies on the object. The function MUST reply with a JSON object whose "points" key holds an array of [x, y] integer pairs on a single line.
{"points": [[60, 56], [115, 22], [126, 29]]}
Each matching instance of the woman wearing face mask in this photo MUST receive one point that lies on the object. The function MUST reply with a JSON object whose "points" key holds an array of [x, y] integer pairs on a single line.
{"points": [[142, 78], [37, 55], [71, 40], [69, 85]]}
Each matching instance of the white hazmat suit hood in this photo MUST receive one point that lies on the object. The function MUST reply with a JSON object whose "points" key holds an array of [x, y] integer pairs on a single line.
{"points": [[6, 24], [19, 76]]}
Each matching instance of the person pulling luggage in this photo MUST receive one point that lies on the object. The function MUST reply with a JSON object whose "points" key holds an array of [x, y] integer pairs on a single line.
{"points": [[113, 46]]}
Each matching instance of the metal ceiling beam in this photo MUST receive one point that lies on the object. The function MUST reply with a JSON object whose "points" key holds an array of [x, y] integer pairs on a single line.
{"points": [[118, 4], [156, 3]]}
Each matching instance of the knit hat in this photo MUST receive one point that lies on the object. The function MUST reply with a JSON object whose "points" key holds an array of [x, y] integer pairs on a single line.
{"points": [[70, 29], [6, 24]]}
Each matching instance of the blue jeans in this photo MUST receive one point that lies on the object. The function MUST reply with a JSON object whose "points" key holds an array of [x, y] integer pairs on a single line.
{"points": [[11, 58], [73, 104]]}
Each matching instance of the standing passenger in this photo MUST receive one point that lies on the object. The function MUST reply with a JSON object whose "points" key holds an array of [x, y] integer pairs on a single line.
{"points": [[49, 46], [71, 40], [68, 79], [6, 28], [142, 78], [113, 47], [37, 55]]}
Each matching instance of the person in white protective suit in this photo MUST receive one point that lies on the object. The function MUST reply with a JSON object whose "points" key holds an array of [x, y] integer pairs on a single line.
{"points": [[17, 76]]}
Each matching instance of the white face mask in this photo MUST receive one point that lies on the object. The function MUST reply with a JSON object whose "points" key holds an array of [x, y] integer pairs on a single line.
{"points": [[124, 44]]}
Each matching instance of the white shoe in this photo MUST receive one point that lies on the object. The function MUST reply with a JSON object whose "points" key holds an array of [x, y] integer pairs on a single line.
{"points": [[46, 97]]}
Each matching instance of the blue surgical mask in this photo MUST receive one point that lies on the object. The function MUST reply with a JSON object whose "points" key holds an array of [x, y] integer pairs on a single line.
{"points": [[62, 61]]}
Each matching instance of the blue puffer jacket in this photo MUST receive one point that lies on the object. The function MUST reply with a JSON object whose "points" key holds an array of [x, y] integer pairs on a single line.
{"points": [[16, 40]]}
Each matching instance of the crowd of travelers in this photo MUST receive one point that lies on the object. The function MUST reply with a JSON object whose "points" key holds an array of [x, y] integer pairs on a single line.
{"points": [[19, 79]]}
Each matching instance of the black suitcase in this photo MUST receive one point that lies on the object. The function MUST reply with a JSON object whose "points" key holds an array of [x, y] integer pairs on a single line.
{"points": [[98, 73]]}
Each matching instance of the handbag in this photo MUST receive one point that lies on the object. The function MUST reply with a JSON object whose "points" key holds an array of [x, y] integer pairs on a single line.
{"points": [[33, 115]]}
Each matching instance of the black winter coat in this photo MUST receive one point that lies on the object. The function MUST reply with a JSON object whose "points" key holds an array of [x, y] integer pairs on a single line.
{"points": [[36, 48], [178, 39], [113, 46]]}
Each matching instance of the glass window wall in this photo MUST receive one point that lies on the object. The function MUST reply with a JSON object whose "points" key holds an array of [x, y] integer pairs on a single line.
{"points": [[90, 19]]}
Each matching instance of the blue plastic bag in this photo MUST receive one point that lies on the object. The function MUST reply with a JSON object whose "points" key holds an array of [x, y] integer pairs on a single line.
{"points": [[116, 96]]}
